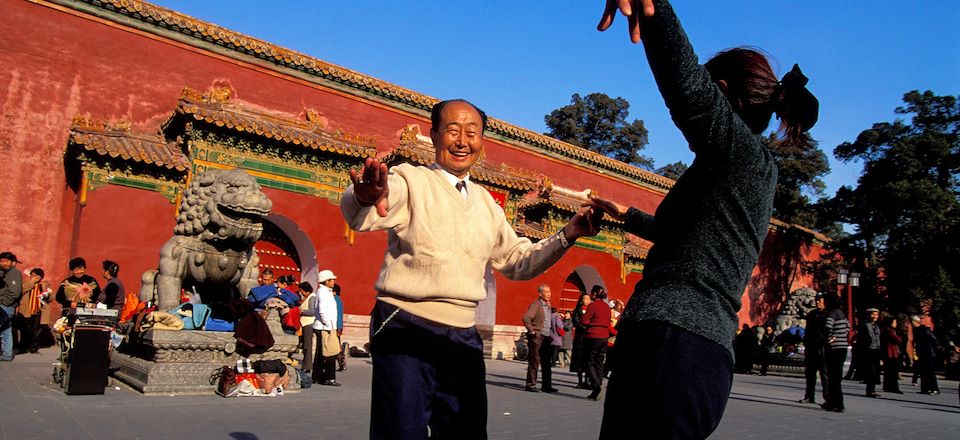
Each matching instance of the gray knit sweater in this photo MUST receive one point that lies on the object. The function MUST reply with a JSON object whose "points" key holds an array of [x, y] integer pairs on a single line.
{"points": [[708, 230]]}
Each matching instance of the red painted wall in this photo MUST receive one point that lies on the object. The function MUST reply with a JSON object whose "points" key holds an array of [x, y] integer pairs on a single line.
{"points": [[58, 63]]}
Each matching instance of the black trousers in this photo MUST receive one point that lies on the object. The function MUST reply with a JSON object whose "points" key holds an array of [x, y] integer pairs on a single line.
{"points": [[870, 368], [425, 374], [928, 378], [666, 382], [28, 332], [596, 348], [814, 364], [891, 374], [324, 367], [541, 356], [835, 359]]}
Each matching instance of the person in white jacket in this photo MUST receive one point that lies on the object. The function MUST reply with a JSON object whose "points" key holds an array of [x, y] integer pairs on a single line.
{"points": [[324, 331]]}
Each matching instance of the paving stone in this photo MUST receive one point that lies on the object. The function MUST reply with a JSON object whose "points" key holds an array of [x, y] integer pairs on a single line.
{"points": [[759, 407]]}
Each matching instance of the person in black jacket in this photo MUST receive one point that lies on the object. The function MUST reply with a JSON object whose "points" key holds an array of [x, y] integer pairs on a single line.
{"points": [[868, 344], [814, 341], [675, 335], [926, 346]]}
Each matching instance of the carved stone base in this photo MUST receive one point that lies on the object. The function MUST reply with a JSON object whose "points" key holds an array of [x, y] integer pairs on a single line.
{"points": [[181, 362]]}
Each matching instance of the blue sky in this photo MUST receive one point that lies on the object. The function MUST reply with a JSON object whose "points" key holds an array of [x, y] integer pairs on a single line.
{"points": [[519, 60]]}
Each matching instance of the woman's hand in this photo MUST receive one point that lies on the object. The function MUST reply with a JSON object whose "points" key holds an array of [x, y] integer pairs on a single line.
{"points": [[630, 9], [584, 223], [370, 185], [613, 209]]}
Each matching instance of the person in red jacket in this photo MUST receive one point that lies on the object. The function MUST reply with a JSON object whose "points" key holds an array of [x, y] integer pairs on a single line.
{"points": [[597, 322], [891, 362]]}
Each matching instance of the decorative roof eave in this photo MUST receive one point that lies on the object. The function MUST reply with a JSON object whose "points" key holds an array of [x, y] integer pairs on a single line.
{"points": [[115, 140], [159, 20], [779, 225], [526, 230], [215, 107], [416, 148]]}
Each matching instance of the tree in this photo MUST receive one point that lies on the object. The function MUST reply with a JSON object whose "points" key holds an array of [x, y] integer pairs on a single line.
{"points": [[599, 123], [905, 210], [801, 166], [673, 170]]}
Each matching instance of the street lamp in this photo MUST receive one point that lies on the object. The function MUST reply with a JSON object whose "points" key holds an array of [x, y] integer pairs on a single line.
{"points": [[851, 280]]}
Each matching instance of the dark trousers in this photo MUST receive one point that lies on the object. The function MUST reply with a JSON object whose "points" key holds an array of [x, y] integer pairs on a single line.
{"points": [[324, 367], [425, 374], [835, 359], [666, 382], [891, 374], [28, 332], [541, 355], [870, 369], [596, 348], [928, 378], [306, 341], [814, 364]]}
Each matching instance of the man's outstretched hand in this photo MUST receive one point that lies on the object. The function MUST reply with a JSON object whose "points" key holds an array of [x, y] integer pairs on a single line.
{"points": [[630, 9], [370, 185]]}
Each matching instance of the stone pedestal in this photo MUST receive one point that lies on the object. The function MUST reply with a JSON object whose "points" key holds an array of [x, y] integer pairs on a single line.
{"points": [[182, 361]]}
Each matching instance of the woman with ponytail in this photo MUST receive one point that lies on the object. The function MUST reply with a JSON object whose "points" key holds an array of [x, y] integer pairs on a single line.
{"points": [[674, 368]]}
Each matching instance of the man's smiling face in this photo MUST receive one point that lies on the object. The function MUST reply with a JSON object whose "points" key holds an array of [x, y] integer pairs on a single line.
{"points": [[459, 138]]}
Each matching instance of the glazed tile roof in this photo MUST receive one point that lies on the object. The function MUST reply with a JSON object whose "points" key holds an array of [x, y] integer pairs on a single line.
{"points": [[117, 141], [215, 107], [163, 21], [417, 148]]}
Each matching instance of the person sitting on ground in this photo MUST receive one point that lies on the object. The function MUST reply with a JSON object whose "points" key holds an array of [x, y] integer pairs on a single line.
{"points": [[259, 295]]}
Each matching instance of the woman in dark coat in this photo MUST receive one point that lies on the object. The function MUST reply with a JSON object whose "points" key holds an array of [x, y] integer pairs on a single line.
{"points": [[578, 360], [891, 340]]}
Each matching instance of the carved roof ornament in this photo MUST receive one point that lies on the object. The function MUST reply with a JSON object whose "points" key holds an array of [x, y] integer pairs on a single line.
{"points": [[162, 21], [549, 194], [117, 140], [216, 107], [417, 148]]}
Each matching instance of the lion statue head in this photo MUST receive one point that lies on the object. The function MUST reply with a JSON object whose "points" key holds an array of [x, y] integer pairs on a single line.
{"points": [[223, 205]]}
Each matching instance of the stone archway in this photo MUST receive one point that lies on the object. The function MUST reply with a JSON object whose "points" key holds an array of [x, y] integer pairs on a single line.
{"points": [[295, 246], [579, 282]]}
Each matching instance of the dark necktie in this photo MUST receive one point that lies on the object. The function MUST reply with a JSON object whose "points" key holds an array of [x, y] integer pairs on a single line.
{"points": [[462, 187]]}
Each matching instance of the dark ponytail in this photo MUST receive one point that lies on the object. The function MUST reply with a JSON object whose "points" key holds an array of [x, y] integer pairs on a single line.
{"points": [[755, 93]]}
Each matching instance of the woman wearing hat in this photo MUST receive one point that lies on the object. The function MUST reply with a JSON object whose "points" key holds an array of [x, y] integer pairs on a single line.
{"points": [[325, 331]]}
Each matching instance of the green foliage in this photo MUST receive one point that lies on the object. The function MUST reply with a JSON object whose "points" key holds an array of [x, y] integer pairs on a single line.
{"points": [[598, 123], [905, 210], [801, 166], [673, 170]]}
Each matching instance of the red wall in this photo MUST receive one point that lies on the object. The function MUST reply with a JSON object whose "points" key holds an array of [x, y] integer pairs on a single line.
{"points": [[58, 63]]}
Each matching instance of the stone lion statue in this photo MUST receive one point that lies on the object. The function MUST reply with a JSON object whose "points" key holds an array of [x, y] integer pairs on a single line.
{"points": [[220, 219], [795, 308]]}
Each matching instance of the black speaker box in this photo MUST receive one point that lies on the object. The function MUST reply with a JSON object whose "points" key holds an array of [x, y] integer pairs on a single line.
{"points": [[89, 360]]}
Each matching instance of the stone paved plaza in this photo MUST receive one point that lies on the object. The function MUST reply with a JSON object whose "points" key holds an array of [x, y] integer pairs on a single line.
{"points": [[759, 407]]}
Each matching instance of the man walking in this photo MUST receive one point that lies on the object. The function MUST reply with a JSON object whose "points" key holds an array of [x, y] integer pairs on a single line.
{"points": [[539, 323]]}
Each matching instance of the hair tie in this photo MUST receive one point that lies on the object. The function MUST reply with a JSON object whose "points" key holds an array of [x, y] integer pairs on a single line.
{"points": [[797, 104]]}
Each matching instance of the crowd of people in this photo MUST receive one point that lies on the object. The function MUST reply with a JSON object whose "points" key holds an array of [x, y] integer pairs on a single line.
{"points": [[29, 307], [877, 352]]}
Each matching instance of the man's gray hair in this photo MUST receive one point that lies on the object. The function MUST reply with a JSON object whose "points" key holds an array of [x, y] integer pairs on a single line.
{"points": [[541, 287], [915, 318]]}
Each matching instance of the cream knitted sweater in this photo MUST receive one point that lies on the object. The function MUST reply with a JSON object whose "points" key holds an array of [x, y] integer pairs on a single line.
{"points": [[439, 245]]}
